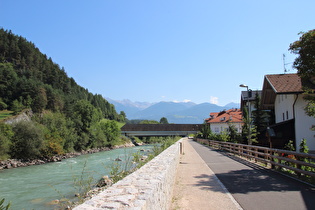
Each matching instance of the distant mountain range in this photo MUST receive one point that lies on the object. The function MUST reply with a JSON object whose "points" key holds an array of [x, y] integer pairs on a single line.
{"points": [[175, 112]]}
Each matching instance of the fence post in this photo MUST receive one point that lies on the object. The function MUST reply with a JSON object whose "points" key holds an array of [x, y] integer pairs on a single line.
{"points": [[266, 156], [248, 152], [298, 166], [242, 151], [181, 148], [273, 166]]}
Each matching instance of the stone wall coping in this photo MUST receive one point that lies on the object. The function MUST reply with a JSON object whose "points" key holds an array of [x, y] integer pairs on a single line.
{"points": [[150, 187]]}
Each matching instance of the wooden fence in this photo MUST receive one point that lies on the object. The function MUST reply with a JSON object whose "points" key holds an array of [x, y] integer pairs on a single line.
{"points": [[299, 163]]}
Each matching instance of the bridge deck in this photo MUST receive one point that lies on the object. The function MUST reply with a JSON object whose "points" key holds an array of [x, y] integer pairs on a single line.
{"points": [[160, 129]]}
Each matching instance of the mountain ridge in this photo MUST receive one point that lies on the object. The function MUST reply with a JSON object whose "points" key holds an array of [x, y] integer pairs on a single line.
{"points": [[175, 112]]}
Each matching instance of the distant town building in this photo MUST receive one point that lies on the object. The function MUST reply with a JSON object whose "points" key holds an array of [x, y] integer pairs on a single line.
{"points": [[220, 121]]}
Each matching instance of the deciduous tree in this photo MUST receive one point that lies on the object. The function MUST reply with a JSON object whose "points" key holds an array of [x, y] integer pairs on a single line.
{"points": [[305, 65], [85, 115], [305, 49], [27, 141], [111, 131], [163, 120]]}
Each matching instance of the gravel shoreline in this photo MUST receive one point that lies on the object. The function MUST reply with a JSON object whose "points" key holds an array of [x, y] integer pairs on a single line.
{"points": [[15, 163]]}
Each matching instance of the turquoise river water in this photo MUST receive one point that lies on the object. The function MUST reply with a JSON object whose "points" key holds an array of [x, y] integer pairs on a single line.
{"points": [[35, 187]]}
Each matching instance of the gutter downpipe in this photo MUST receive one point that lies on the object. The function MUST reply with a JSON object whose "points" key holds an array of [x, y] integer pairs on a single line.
{"points": [[293, 106]]}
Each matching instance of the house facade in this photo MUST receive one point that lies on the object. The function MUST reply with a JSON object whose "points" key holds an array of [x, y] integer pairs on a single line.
{"points": [[283, 94], [249, 99], [220, 121]]}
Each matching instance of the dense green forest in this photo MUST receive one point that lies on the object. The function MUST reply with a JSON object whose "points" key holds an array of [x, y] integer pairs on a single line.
{"points": [[67, 117]]}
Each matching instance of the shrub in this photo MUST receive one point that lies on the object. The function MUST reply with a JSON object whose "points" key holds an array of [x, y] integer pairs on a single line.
{"points": [[111, 131], [289, 146], [3, 105], [303, 146], [27, 141], [6, 134]]}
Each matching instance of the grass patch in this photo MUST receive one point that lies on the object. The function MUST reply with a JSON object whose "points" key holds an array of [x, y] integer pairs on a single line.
{"points": [[4, 114], [120, 124]]}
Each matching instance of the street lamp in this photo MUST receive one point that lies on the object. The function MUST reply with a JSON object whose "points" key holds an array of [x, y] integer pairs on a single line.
{"points": [[248, 114]]}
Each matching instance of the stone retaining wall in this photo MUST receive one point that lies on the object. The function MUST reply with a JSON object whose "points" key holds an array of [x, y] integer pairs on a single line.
{"points": [[150, 187]]}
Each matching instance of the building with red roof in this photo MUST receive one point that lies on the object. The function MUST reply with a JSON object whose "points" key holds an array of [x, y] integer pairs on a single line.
{"points": [[220, 121]]}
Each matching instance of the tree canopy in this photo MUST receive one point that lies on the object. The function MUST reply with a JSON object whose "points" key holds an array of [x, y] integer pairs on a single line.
{"points": [[305, 49], [305, 65], [163, 120]]}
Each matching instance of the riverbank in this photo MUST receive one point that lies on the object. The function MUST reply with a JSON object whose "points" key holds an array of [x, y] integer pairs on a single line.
{"points": [[15, 163], [149, 187], [41, 186]]}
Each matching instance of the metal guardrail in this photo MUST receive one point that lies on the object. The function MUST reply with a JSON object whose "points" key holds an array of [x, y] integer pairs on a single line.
{"points": [[300, 163]]}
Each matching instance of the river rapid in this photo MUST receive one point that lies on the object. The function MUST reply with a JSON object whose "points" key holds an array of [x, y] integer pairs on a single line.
{"points": [[39, 186]]}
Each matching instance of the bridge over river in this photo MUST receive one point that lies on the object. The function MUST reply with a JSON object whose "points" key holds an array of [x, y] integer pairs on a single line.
{"points": [[160, 129]]}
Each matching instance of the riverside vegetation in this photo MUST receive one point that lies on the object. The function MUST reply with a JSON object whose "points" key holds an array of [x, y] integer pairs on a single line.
{"points": [[4, 206], [65, 117], [86, 186]]}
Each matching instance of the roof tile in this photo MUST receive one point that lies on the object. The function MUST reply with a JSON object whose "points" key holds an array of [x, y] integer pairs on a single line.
{"points": [[285, 83], [231, 115]]}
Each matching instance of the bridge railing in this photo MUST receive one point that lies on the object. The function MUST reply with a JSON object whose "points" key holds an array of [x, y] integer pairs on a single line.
{"points": [[300, 164]]}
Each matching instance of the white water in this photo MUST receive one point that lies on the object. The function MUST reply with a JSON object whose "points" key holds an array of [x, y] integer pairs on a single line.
{"points": [[35, 187]]}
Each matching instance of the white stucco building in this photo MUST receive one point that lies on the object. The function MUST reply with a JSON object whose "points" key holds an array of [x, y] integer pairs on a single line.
{"points": [[283, 94], [220, 121]]}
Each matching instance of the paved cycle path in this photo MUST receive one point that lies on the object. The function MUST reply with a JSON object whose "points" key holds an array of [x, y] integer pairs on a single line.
{"points": [[196, 186], [252, 186]]}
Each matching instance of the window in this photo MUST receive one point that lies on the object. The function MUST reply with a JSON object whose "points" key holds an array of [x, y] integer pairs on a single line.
{"points": [[282, 116], [287, 115]]}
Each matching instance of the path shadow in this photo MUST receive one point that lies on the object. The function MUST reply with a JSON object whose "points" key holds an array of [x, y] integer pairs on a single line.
{"points": [[255, 178]]}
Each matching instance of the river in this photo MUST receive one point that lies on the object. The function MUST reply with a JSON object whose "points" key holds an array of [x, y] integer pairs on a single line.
{"points": [[35, 187]]}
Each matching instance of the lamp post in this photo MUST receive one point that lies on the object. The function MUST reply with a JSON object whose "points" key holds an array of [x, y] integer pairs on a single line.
{"points": [[248, 114]]}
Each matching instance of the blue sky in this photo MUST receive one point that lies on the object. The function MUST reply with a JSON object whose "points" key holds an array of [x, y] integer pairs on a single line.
{"points": [[163, 50]]}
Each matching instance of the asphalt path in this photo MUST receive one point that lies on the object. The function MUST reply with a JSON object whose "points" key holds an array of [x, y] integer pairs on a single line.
{"points": [[253, 186]]}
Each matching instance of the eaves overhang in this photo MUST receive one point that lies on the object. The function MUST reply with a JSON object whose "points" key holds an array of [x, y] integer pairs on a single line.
{"points": [[279, 84]]}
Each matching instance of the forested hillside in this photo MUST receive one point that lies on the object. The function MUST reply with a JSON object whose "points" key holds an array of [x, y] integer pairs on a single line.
{"points": [[32, 80], [67, 116]]}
